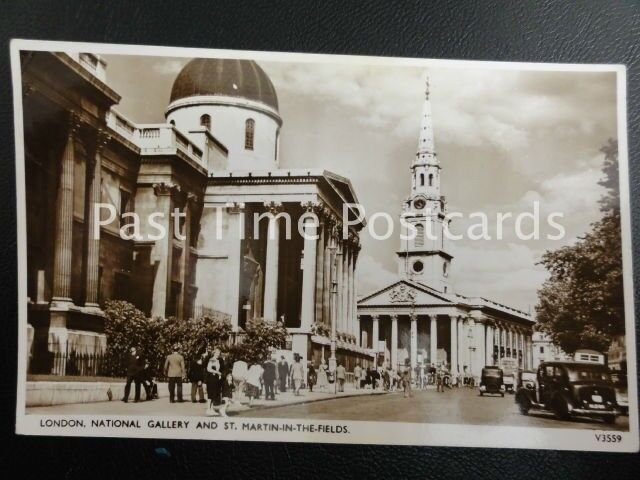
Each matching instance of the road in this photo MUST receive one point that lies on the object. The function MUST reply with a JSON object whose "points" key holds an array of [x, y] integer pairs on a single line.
{"points": [[457, 406]]}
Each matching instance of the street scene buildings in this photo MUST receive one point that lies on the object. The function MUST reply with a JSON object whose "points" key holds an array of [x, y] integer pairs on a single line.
{"points": [[143, 228]]}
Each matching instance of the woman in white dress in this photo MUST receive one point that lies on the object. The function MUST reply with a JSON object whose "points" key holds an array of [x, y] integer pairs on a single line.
{"points": [[323, 381]]}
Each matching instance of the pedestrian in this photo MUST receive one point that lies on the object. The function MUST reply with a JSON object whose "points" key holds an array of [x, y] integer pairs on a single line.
{"points": [[228, 387], [357, 373], [134, 370], [297, 374], [239, 372], [215, 367], [341, 375], [363, 378], [322, 380], [312, 376], [146, 378], [196, 377], [406, 383], [254, 381], [269, 378], [283, 373], [174, 370], [386, 380], [439, 380]]}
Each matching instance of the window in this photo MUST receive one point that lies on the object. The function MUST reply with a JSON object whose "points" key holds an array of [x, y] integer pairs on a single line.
{"points": [[249, 132], [205, 121], [541, 349], [422, 179], [431, 179], [419, 235], [445, 268], [173, 123]]}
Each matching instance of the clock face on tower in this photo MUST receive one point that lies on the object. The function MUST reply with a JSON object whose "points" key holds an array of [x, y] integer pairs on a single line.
{"points": [[419, 203]]}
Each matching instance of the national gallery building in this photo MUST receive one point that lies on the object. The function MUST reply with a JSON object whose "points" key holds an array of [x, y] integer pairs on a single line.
{"points": [[215, 161]]}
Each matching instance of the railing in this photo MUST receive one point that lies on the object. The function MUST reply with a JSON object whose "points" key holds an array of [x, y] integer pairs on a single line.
{"points": [[71, 363]]}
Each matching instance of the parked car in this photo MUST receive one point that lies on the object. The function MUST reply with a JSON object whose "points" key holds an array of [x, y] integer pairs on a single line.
{"points": [[527, 379], [571, 389], [491, 381], [619, 380]]}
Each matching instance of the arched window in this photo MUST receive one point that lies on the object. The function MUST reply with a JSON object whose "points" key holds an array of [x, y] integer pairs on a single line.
{"points": [[422, 179], [249, 131], [205, 121], [173, 122], [431, 179], [419, 235]]}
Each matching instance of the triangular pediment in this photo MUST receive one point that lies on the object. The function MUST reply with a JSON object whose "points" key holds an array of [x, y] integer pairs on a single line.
{"points": [[404, 292]]}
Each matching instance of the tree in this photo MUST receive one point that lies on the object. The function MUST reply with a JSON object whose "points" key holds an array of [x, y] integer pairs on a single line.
{"points": [[581, 305], [260, 339], [127, 327]]}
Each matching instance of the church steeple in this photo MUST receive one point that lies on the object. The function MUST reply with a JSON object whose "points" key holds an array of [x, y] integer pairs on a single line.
{"points": [[425, 258], [425, 168]]}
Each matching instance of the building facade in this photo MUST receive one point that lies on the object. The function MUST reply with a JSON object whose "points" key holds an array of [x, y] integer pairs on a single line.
{"points": [[209, 177], [420, 320], [544, 350]]}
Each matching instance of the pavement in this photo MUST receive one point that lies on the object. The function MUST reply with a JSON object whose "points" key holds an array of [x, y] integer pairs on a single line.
{"points": [[162, 406], [454, 406]]}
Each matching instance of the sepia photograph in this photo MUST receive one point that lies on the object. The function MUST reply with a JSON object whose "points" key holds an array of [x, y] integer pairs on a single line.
{"points": [[239, 245]]}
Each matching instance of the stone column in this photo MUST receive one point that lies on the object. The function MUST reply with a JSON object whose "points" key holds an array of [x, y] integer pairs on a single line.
{"points": [[352, 298], [414, 342], [433, 339], [339, 268], [189, 201], [454, 344], [394, 342], [480, 345], [345, 287], [462, 345], [64, 221], [500, 344], [307, 309], [328, 259], [375, 337], [272, 263], [94, 171], [162, 250], [488, 351], [319, 301]]}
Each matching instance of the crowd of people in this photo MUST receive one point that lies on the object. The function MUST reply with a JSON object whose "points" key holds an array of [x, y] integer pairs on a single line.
{"points": [[224, 384]]}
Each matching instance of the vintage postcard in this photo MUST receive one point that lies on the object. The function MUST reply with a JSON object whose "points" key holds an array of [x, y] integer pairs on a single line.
{"points": [[238, 245]]}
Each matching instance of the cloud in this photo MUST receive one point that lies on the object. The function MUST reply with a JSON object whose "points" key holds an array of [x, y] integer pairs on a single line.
{"points": [[371, 275], [169, 66]]}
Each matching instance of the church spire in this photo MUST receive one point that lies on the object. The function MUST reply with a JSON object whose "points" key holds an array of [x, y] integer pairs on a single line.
{"points": [[426, 149]]}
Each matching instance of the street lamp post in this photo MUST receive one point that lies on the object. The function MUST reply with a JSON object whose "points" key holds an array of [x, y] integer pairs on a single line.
{"points": [[472, 349]]}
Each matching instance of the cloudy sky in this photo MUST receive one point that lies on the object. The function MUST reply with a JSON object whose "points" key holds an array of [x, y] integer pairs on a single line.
{"points": [[505, 139]]}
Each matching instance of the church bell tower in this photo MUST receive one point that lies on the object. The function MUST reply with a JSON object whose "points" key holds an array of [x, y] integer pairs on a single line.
{"points": [[425, 257]]}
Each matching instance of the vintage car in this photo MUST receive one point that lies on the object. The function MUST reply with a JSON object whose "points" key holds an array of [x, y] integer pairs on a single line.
{"points": [[622, 391], [491, 381], [571, 389]]}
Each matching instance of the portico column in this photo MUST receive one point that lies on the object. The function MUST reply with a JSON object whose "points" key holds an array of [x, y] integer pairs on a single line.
{"points": [[352, 296], [500, 344], [307, 309], [454, 344], [340, 265], [480, 342], [433, 340], [345, 287], [93, 240], [64, 221], [375, 333], [319, 298], [347, 302], [489, 346], [162, 254], [394, 342], [271, 263], [462, 348], [328, 259], [414, 342]]}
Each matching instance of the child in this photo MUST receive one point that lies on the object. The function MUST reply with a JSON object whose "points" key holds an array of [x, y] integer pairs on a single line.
{"points": [[227, 393]]}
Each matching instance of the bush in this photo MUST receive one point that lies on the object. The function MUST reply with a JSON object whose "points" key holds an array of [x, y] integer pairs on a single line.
{"points": [[258, 342], [127, 327]]}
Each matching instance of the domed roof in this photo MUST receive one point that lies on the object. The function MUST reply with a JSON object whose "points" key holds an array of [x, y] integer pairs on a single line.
{"points": [[228, 77]]}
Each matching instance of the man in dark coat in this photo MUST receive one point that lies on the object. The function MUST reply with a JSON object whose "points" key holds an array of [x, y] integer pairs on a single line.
{"points": [[283, 373], [135, 366], [196, 377], [269, 378]]}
